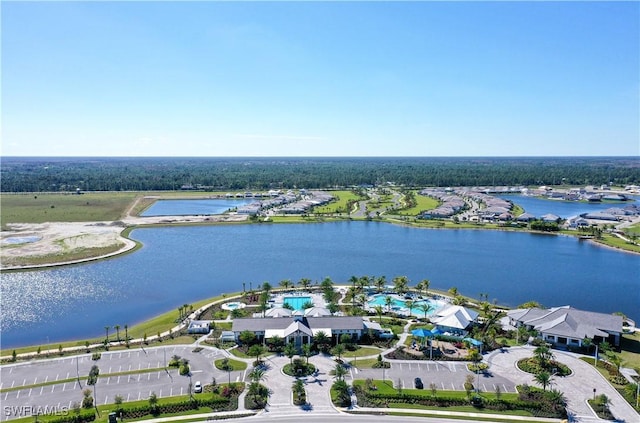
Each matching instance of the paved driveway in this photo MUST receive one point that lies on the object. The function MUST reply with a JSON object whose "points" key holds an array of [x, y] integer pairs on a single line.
{"points": [[578, 387]]}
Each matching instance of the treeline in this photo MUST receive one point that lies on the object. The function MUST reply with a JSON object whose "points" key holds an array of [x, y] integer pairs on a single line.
{"points": [[22, 174]]}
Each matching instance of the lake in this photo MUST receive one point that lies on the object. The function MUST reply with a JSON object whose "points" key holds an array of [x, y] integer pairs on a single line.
{"points": [[565, 209], [180, 265], [193, 207]]}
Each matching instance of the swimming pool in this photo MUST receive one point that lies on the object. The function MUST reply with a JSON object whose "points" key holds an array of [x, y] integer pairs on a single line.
{"points": [[233, 305], [397, 304], [296, 302]]}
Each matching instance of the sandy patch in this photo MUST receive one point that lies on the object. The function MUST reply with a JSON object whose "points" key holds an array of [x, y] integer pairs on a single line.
{"points": [[28, 240]]}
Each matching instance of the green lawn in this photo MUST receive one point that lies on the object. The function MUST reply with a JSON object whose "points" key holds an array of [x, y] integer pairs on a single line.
{"points": [[340, 205], [58, 207], [235, 364], [423, 203], [362, 352], [630, 350]]}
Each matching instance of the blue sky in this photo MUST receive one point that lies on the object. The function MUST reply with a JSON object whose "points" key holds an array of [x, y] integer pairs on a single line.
{"points": [[320, 78]]}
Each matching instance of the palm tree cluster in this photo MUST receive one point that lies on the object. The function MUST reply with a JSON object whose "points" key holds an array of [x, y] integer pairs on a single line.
{"points": [[257, 391]]}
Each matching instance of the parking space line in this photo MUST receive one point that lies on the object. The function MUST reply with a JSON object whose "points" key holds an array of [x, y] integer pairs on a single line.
{"points": [[106, 398], [120, 355], [139, 376], [12, 383], [443, 388], [118, 379], [41, 389], [24, 382], [53, 387], [46, 379], [128, 395], [64, 386], [35, 380], [109, 369], [139, 394], [18, 394], [485, 388], [5, 396]]}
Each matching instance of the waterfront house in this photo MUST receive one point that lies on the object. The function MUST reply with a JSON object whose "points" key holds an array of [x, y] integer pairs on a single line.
{"points": [[569, 326]]}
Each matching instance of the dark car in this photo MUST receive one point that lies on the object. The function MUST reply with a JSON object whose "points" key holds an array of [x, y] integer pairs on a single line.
{"points": [[417, 382]]}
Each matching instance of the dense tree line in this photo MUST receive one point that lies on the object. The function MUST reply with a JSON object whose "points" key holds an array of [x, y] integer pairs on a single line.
{"points": [[142, 174]]}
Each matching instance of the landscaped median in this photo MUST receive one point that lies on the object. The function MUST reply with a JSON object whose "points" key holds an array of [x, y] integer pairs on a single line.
{"points": [[528, 402]]}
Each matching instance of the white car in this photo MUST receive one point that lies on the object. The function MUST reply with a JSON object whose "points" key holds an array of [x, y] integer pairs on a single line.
{"points": [[197, 388]]}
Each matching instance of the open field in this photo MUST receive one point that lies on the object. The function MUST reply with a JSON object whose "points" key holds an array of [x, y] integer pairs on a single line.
{"points": [[340, 205], [59, 207], [422, 204]]}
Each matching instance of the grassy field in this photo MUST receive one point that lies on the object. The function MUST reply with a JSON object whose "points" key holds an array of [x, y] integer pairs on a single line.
{"points": [[340, 205], [422, 204], [39, 208]]}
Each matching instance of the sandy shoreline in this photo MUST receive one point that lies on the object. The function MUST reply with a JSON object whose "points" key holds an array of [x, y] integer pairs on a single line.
{"points": [[33, 240]]}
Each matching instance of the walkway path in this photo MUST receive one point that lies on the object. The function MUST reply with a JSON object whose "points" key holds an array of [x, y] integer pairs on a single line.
{"points": [[317, 388]]}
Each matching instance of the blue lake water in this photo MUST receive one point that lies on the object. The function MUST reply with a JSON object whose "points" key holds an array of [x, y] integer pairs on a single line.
{"points": [[179, 265], [565, 209], [192, 207]]}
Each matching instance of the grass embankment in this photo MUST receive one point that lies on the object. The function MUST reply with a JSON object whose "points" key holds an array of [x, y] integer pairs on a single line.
{"points": [[615, 242], [151, 327], [234, 364]]}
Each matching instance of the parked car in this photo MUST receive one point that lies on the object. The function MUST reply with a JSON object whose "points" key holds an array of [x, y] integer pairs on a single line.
{"points": [[197, 388], [417, 382]]}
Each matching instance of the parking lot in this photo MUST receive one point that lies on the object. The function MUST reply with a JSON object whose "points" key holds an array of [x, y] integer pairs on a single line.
{"points": [[148, 375], [446, 375]]}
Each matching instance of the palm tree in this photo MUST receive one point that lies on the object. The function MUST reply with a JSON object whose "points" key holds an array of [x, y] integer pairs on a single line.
{"points": [[379, 311], [543, 378], [338, 350], [322, 340], [306, 351], [304, 283], [326, 283], [290, 351], [409, 304], [266, 287], [298, 388], [380, 283], [453, 291], [425, 308], [543, 355], [286, 284], [340, 371], [388, 301], [424, 286], [401, 284], [126, 333], [106, 339], [117, 328]]}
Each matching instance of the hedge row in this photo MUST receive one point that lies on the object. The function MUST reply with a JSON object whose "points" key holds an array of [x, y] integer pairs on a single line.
{"points": [[535, 408], [216, 404], [77, 418]]}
